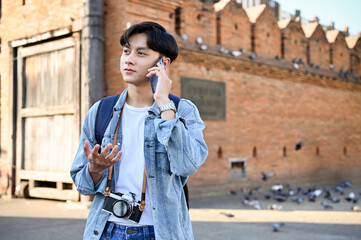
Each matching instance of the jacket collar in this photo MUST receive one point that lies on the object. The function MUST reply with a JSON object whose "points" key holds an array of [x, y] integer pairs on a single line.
{"points": [[123, 96]]}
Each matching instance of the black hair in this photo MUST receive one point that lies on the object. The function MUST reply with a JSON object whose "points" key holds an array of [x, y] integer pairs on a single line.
{"points": [[158, 38]]}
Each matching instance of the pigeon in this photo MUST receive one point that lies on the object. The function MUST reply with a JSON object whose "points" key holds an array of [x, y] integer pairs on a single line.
{"points": [[298, 200], [280, 198], [292, 192], [277, 226], [227, 214], [233, 192], [346, 184], [356, 208], [184, 36], [236, 53], [278, 187], [312, 197], [339, 189], [325, 205], [351, 196], [199, 40], [266, 176], [327, 194], [335, 200], [317, 192], [203, 47], [253, 55], [249, 195], [253, 203], [299, 145], [223, 50], [275, 207]]}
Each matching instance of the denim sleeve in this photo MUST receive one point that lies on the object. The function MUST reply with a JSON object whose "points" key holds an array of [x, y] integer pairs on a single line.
{"points": [[183, 139], [80, 168]]}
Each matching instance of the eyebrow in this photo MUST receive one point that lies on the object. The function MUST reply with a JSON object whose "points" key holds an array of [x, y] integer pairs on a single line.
{"points": [[139, 48]]}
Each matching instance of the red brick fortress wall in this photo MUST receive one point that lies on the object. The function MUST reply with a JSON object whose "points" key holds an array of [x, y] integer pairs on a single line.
{"points": [[270, 103]]}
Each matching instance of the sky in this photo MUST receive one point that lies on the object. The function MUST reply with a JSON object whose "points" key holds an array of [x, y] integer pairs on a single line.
{"points": [[342, 12]]}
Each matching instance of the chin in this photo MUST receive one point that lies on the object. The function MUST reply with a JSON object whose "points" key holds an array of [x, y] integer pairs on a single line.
{"points": [[135, 82]]}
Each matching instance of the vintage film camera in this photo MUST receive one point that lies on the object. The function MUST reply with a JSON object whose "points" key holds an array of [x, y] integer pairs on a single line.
{"points": [[122, 206]]}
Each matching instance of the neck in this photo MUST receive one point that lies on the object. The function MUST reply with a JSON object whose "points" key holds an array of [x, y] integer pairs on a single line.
{"points": [[140, 96]]}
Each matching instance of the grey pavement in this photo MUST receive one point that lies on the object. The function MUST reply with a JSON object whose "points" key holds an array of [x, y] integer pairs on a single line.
{"points": [[37, 219]]}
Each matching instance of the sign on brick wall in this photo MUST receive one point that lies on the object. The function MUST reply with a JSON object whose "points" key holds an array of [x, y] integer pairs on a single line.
{"points": [[208, 96]]}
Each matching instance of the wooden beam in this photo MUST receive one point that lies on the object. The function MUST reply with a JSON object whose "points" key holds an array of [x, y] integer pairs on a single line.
{"points": [[45, 176], [47, 111]]}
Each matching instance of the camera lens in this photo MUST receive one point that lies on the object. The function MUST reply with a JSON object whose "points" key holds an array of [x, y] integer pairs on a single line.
{"points": [[121, 208]]}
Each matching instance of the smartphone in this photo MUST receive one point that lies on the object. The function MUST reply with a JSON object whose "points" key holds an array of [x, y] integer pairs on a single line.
{"points": [[154, 78]]}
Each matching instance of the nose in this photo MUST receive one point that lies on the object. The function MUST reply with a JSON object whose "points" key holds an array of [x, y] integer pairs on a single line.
{"points": [[129, 59]]}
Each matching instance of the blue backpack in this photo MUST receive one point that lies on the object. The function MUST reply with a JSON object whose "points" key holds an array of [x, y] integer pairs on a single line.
{"points": [[104, 115]]}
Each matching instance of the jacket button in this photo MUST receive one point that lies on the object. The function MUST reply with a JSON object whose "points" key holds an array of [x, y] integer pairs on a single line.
{"points": [[95, 232]]}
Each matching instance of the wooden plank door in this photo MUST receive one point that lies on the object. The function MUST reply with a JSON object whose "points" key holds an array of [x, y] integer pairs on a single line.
{"points": [[48, 118]]}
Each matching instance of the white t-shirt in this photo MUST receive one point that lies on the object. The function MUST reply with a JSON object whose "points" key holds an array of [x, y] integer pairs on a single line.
{"points": [[131, 170]]}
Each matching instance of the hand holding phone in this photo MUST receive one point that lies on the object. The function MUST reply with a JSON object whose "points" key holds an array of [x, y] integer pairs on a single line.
{"points": [[154, 78]]}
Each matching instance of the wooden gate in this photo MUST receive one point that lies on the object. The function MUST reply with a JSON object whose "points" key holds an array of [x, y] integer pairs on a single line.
{"points": [[48, 117]]}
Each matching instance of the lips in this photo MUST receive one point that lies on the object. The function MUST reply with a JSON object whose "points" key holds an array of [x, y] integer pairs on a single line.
{"points": [[129, 70]]}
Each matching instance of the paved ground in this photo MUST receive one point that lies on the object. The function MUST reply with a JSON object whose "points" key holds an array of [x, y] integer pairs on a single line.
{"points": [[36, 219]]}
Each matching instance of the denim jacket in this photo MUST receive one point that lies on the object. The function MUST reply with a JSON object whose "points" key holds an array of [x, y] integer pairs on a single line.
{"points": [[173, 150]]}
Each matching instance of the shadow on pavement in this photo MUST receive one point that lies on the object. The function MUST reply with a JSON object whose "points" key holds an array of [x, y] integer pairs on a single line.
{"points": [[41, 228], [263, 231]]}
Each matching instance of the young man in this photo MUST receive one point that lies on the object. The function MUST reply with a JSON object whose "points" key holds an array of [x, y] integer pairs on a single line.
{"points": [[155, 142]]}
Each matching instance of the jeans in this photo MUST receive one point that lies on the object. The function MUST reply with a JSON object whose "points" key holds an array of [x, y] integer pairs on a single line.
{"points": [[113, 231]]}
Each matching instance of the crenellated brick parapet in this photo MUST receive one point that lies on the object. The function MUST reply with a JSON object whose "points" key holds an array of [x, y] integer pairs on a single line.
{"points": [[234, 28], [255, 32], [293, 41]]}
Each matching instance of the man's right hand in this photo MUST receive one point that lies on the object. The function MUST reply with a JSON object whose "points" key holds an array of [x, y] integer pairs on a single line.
{"points": [[99, 162]]}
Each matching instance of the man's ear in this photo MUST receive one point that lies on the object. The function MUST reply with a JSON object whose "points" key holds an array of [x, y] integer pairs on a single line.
{"points": [[166, 61]]}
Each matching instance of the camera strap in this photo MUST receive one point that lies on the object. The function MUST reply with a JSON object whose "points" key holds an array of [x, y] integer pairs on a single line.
{"points": [[110, 174]]}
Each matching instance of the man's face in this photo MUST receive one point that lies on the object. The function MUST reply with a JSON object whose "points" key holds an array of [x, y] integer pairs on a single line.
{"points": [[136, 59]]}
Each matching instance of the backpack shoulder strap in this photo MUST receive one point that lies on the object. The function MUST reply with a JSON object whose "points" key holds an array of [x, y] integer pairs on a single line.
{"points": [[104, 115], [175, 99]]}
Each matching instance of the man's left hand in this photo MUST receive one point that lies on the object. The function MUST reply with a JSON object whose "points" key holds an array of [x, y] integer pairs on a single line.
{"points": [[164, 84]]}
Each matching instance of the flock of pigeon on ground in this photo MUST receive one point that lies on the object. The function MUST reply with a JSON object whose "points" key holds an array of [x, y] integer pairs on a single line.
{"points": [[281, 193]]}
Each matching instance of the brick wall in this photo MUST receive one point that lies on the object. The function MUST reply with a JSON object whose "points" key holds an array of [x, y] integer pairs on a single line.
{"points": [[271, 109]]}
